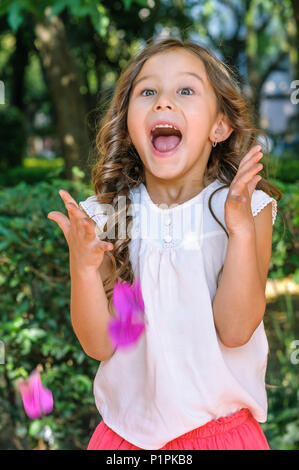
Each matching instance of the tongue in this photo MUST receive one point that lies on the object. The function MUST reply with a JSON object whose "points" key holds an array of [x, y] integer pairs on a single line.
{"points": [[165, 143]]}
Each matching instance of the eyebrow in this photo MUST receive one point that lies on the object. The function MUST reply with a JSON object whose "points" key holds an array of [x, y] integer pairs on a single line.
{"points": [[145, 77]]}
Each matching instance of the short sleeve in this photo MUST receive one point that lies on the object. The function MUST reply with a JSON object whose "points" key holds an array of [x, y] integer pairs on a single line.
{"points": [[259, 200], [95, 210]]}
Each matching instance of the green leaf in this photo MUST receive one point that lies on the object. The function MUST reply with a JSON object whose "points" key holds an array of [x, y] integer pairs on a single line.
{"points": [[296, 276], [22, 308], [35, 427], [58, 7], [4, 245], [100, 21], [127, 4], [80, 10], [4, 6], [15, 17], [33, 334]]}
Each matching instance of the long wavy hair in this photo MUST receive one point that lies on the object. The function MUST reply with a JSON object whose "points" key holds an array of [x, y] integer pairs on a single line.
{"points": [[118, 167]]}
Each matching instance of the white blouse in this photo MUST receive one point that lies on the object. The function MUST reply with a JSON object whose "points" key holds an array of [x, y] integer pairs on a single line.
{"points": [[179, 376]]}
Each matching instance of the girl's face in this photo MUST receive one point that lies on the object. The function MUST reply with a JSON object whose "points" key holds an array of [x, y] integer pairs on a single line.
{"points": [[172, 86]]}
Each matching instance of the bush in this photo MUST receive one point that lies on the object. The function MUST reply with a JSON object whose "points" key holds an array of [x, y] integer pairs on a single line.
{"points": [[12, 137], [285, 258], [33, 171], [35, 320], [288, 171], [282, 378], [30, 176], [285, 168]]}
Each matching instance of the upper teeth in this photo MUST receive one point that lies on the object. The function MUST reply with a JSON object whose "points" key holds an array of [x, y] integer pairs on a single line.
{"points": [[165, 125]]}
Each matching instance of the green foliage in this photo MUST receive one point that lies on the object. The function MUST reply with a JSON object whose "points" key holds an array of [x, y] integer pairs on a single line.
{"points": [[12, 136], [128, 3], [35, 319], [285, 259], [285, 168], [34, 278], [33, 171], [289, 171], [14, 16], [28, 175], [35, 162], [281, 323], [95, 10]]}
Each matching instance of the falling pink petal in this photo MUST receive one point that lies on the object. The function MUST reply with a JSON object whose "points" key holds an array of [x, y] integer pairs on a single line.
{"points": [[122, 299], [36, 398], [30, 401], [126, 328], [46, 401], [124, 335]]}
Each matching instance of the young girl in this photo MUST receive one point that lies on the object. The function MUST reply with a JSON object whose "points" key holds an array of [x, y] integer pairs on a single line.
{"points": [[177, 144]]}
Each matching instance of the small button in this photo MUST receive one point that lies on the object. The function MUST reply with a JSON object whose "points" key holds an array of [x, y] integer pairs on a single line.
{"points": [[167, 221], [167, 238]]}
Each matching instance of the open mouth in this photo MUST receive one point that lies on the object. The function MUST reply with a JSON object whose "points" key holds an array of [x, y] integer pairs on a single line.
{"points": [[165, 139]]}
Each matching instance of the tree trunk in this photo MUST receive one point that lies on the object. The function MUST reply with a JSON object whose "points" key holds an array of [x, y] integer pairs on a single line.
{"points": [[64, 83], [19, 61]]}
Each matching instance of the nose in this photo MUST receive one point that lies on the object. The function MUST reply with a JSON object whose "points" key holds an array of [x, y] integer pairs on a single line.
{"points": [[160, 106], [163, 102]]}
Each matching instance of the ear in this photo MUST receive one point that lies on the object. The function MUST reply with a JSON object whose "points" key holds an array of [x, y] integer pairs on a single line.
{"points": [[221, 129]]}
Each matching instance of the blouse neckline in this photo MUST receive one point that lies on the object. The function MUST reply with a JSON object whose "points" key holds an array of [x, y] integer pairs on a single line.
{"points": [[178, 206]]}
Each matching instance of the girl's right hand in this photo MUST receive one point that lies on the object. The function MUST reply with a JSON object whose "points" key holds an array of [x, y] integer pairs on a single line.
{"points": [[85, 248]]}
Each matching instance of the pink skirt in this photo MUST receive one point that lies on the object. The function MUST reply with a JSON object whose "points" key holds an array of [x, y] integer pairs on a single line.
{"points": [[240, 431]]}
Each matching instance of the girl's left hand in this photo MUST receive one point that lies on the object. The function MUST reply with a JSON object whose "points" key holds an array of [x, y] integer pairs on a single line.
{"points": [[238, 214]]}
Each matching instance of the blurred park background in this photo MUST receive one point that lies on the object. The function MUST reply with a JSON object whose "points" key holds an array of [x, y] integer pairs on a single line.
{"points": [[59, 62]]}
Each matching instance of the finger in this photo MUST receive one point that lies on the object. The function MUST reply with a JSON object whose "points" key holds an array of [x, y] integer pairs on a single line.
{"points": [[106, 246], [61, 220], [71, 206], [76, 217], [255, 158], [252, 152], [250, 165], [252, 184], [66, 197], [243, 179], [84, 225]]}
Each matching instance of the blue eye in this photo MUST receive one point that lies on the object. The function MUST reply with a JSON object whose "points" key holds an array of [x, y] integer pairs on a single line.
{"points": [[190, 89], [145, 91]]}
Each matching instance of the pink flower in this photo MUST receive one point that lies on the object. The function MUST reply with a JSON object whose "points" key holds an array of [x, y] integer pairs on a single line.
{"points": [[126, 328], [37, 399]]}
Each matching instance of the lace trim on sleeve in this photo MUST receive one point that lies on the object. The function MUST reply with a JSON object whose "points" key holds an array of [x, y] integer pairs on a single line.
{"points": [[94, 210], [263, 203], [86, 208]]}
